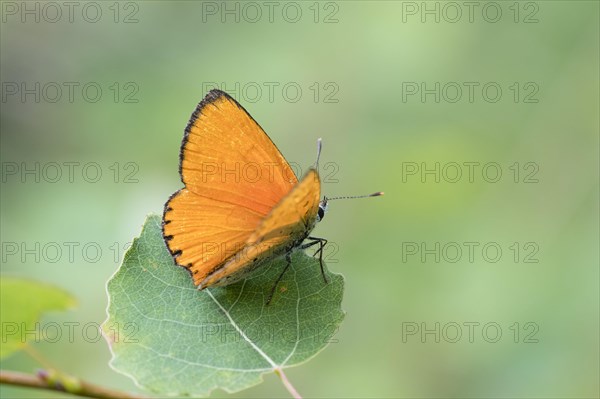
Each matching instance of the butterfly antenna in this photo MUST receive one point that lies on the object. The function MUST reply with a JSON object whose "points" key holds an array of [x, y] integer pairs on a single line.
{"points": [[319, 146], [377, 194]]}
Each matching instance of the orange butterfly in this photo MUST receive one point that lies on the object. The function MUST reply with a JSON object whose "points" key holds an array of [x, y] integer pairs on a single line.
{"points": [[242, 203]]}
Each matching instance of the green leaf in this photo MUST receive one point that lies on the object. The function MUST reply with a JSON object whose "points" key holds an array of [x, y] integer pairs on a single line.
{"points": [[22, 302], [172, 339]]}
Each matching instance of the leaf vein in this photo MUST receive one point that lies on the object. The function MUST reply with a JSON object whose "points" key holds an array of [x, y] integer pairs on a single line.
{"points": [[243, 335]]}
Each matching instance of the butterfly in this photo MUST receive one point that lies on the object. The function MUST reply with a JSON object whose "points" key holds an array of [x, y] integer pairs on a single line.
{"points": [[242, 204]]}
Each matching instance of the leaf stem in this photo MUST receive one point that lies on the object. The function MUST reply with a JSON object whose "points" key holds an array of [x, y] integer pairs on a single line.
{"points": [[81, 388], [288, 385]]}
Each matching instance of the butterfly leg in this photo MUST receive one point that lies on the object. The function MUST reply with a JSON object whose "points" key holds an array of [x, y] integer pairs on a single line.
{"points": [[288, 261], [322, 242]]}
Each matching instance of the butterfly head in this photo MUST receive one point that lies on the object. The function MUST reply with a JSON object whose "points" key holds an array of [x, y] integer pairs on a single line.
{"points": [[322, 209]]}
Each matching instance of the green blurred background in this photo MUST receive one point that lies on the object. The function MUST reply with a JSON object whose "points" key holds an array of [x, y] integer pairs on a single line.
{"points": [[355, 64]]}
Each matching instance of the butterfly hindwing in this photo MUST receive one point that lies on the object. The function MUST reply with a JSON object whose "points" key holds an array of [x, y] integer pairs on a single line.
{"points": [[200, 232], [286, 226]]}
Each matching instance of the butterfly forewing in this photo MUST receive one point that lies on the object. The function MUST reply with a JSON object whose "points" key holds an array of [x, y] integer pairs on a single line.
{"points": [[233, 174]]}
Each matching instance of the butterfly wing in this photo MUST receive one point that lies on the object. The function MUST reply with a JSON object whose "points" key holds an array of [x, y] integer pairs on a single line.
{"points": [[286, 226], [233, 174]]}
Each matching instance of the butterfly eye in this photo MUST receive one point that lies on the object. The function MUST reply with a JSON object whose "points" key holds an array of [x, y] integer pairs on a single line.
{"points": [[320, 213], [322, 210]]}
